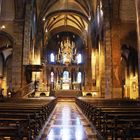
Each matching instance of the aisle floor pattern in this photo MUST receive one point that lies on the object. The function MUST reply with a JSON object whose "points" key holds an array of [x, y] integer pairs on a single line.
{"points": [[68, 123]]}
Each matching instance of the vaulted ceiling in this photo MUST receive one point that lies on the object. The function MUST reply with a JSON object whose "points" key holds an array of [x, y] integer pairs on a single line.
{"points": [[125, 9], [65, 14], [12, 9]]}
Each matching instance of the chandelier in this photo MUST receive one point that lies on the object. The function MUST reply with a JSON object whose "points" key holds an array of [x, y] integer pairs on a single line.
{"points": [[66, 52]]}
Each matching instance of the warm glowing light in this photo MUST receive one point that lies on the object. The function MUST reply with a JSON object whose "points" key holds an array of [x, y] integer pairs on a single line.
{"points": [[3, 27], [93, 62], [36, 60], [94, 93], [101, 11], [52, 76], [86, 28], [43, 19], [132, 82], [35, 76], [46, 30], [66, 52], [89, 18]]}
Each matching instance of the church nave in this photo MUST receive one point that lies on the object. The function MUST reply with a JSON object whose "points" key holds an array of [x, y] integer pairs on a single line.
{"points": [[67, 123]]}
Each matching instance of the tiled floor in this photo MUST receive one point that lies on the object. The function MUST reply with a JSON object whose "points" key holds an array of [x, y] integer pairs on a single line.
{"points": [[67, 123]]}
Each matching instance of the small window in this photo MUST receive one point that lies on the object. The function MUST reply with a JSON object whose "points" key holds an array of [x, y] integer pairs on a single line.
{"points": [[79, 77], [52, 58], [65, 76], [79, 59]]}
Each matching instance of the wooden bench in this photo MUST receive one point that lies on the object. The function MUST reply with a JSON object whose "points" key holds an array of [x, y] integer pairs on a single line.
{"points": [[109, 118], [24, 117]]}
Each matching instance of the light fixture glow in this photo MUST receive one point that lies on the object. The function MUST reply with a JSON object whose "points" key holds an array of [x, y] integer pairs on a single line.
{"points": [[3, 27]]}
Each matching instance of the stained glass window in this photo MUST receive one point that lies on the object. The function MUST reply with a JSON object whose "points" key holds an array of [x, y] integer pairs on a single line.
{"points": [[52, 58], [79, 59], [52, 77], [65, 76], [79, 77]]}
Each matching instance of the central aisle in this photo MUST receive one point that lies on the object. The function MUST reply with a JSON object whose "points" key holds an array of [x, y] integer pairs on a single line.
{"points": [[67, 123]]}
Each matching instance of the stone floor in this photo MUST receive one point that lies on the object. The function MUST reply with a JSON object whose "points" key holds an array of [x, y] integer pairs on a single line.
{"points": [[67, 123]]}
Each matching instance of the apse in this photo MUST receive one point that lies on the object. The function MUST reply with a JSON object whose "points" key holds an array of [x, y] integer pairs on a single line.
{"points": [[65, 48]]}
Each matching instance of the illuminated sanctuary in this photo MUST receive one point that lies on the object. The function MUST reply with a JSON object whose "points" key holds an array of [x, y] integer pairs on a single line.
{"points": [[65, 62], [69, 45], [69, 69]]}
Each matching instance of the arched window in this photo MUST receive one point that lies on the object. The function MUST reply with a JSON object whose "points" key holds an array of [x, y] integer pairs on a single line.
{"points": [[79, 58], [52, 77], [52, 58], [79, 77], [65, 76]]}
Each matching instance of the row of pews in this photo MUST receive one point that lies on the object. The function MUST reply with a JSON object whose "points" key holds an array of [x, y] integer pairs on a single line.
{"points": [[24, 118], [114, 119]]}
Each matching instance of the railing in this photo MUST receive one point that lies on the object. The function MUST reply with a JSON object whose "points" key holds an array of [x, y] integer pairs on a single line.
{"points": [[25, 91]]}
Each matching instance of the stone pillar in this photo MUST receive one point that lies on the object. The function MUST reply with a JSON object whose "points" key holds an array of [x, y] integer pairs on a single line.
{"points": [[17, 55], [27, 35], [88, 70], [47, 77], [27, 42], [102, 69], [108, 50], [137, 2], [116, 60]]}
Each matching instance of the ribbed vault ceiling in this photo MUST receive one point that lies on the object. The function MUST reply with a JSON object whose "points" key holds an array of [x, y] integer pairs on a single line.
{"points": [[67, 13], [65, 20]]}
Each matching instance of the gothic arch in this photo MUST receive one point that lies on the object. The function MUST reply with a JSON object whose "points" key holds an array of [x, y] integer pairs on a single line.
{"points": [[6, 49]]}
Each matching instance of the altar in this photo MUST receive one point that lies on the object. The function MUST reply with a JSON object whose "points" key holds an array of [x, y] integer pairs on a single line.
{"points": [[68, 86], [67, 93], [65, 86]]}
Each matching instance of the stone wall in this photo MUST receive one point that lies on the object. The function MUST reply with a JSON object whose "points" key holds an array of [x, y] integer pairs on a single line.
{"points": [[121, 34], [27, 36], [108, 50], [17, 55]]}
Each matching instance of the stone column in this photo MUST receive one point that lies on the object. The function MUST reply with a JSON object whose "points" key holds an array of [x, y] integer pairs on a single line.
{"points": [[47, 77], [88, 70], [102, 69], [116, 60], [27, 35], [137, 2], [26, 44], [17, 55], [108, 50]]}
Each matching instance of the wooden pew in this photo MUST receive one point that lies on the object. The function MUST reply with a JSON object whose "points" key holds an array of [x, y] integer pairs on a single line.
{"points": [[26, 116], [109, 118]]}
